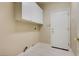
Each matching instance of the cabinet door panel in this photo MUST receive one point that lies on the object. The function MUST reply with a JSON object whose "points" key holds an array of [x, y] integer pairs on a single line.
{"points": [[32, 12]]}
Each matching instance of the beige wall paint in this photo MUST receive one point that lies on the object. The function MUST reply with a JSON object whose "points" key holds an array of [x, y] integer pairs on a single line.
{"points": [[26, 27], [48, 8], [16, 42], [75, 27], [15, 35], [7, 25], [44, 31]]}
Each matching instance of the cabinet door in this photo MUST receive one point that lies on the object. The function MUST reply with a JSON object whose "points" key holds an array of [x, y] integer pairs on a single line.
{"points": [[32, 12]]}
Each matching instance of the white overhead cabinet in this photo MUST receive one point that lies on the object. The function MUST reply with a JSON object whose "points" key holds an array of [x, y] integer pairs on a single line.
{"points": [[30, 11]]}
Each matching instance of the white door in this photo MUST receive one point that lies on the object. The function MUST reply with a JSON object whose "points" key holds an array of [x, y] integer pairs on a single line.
{"points": [[60, 24]]}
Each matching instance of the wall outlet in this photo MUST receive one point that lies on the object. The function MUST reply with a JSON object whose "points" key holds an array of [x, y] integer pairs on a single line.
{"points": [[78, 39], [35, 27]]}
